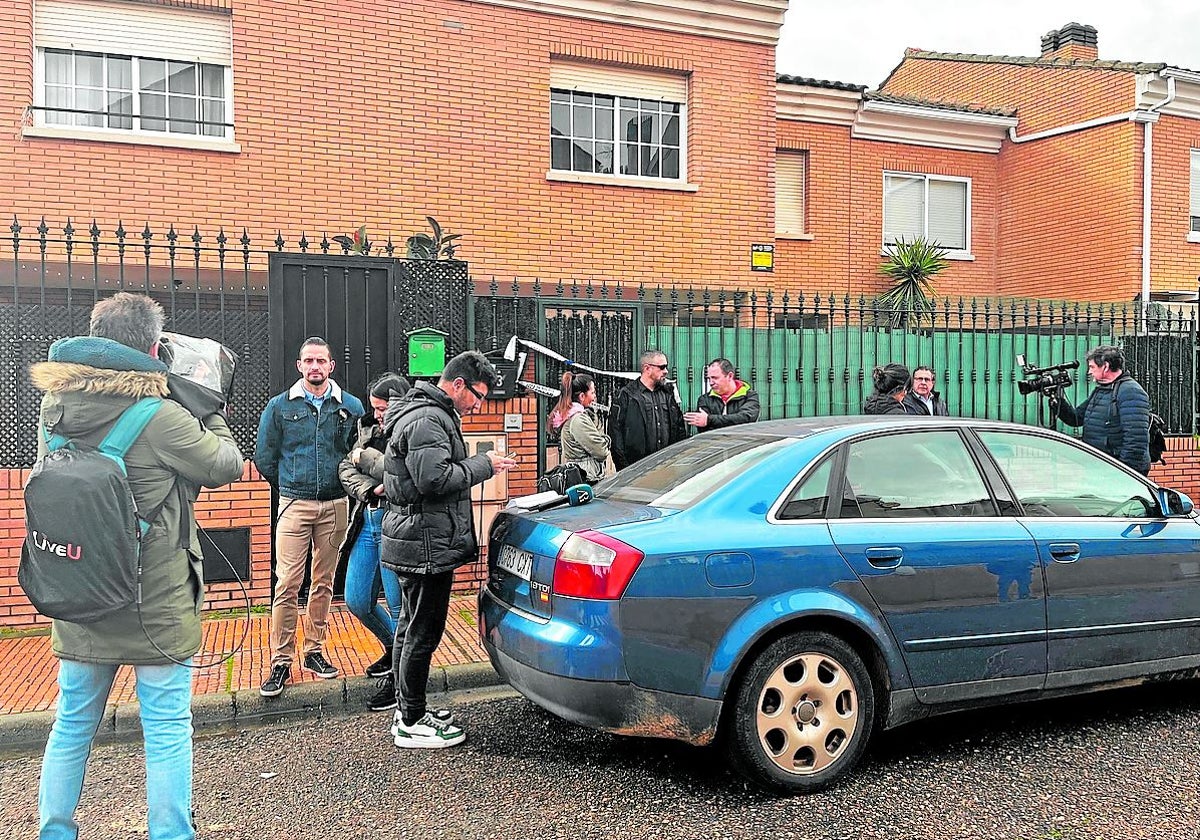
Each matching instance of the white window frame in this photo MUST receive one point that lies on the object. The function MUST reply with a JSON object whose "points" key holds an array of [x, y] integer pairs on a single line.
{"points": [[1193, 234], [963, 253], [137, 33], [43, 119], [619, 83]]}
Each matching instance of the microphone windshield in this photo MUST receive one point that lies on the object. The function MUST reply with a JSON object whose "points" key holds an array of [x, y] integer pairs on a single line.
{"points": [[579, 494]]}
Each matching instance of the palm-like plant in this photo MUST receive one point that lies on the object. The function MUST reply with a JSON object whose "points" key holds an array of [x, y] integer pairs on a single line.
{"points": [[910, 265]]}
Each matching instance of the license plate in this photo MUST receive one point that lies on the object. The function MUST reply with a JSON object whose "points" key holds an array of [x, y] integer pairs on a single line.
{"points": [[518, 561]]}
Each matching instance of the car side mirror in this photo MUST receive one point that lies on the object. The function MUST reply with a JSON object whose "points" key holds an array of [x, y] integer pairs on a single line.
{"points": [[1174, 503]]}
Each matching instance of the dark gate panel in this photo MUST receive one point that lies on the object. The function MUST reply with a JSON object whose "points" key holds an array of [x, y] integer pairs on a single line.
{"points": [[343, 299]]}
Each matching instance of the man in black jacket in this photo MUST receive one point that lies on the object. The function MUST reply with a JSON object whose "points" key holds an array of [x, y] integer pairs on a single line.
{"points": [[645, 416], [729, 401], [923, 399], [428, 530]]}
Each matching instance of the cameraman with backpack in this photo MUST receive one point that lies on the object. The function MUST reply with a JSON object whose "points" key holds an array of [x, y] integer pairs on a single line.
{"points": [[89, 383], [1116, 415]]}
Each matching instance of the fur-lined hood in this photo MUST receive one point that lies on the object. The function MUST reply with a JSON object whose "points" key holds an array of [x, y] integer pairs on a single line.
{"points": [[99, 366]]}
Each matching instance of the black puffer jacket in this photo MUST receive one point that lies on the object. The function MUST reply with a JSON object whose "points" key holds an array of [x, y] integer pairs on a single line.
{"points": [[743, 407], [1123, 430], [879, 403], [429, 527]]}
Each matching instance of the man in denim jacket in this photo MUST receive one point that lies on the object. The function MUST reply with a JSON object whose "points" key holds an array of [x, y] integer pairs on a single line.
{"points": [[302, 437]]}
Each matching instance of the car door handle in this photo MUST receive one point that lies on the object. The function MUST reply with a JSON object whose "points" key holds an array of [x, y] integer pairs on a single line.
{"points": [[885, 557], [1064, 552]]}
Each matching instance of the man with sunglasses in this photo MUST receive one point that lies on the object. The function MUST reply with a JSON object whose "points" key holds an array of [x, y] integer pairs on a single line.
{"points": [[429, 529], [645, 416]]}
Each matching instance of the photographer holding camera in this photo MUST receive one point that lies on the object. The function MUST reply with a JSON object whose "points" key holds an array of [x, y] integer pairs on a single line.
{"points": [[1116, 415]]}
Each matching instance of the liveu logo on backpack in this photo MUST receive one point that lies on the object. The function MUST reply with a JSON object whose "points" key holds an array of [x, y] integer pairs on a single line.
{"points": [[81, 558]]}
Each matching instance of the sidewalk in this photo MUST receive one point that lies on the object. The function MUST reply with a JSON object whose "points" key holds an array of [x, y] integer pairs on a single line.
{"points": [[227, 693]]}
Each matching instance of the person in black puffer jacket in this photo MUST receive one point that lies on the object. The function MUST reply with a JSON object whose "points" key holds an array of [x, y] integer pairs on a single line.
{"points": [[429, 530], [729, 401], [891, 386], [1116, 416]]}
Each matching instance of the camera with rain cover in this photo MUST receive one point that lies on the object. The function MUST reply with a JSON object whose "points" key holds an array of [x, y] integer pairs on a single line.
{"points": [[1045, 380]]}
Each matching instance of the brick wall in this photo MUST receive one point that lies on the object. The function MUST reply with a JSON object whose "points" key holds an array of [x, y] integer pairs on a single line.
{"points": [[346, 114], [1071, 219], [845, 213], [1174, 262]]}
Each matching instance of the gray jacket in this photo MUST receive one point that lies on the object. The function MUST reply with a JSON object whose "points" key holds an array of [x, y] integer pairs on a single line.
{"points": [[584, 443]]}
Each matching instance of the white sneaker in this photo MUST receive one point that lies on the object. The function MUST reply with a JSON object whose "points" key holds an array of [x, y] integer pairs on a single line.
{"points": [[428, 733], [445, 717]]}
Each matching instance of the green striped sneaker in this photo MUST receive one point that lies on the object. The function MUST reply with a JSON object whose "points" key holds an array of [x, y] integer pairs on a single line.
{"points": [[428, 733]]}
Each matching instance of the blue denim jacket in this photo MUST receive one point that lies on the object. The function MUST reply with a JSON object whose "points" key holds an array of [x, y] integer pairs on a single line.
{"points": [[299, 448]]}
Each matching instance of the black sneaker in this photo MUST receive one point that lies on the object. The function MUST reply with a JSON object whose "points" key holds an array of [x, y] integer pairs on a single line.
{"points": [[316, 663], [273, 686], [385, 698], [381, 667]]}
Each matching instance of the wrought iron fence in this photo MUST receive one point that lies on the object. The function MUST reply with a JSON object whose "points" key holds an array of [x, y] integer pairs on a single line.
{"points": [[211, 285], [812, 355]]}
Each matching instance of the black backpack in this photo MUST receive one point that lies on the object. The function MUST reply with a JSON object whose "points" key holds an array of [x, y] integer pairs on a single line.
{"points": [[1158, 439], [1158, 430], [82, 555]]}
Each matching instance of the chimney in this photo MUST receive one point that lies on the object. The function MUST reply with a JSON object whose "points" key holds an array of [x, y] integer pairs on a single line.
{"points": [[1073, 41]]}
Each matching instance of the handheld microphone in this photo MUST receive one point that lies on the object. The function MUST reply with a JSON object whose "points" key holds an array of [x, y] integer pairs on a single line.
{"points": [[580, 494]]}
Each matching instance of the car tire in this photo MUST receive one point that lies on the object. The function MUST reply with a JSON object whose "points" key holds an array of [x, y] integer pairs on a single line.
{"points": [[803, 713]]}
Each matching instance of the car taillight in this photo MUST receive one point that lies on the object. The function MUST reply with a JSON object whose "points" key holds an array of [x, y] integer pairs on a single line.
{"points": [[594, 565]]}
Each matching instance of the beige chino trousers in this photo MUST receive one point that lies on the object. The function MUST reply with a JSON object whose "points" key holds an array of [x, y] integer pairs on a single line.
{"points": [[304, 525]]}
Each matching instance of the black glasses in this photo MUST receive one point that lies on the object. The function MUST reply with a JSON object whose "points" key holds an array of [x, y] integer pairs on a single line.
{"points": [[660, 367], [478, 395]]}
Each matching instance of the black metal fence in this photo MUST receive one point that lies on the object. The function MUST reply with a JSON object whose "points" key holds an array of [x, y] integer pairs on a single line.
{"points": [[806, 354], [811, 355]]}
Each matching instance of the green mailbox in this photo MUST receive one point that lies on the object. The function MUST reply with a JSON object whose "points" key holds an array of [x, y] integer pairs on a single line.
{"points": [[426, 352]]}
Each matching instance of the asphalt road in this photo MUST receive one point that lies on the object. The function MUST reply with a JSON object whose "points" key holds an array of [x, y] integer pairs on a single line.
{"points": [[1114, 765]]}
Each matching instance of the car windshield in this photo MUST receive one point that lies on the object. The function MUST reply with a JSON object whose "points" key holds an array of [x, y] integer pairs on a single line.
{"points": [[685, 474]]}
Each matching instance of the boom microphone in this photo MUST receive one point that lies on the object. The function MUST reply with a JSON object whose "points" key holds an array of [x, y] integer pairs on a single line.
{"points": [[580, 494]]}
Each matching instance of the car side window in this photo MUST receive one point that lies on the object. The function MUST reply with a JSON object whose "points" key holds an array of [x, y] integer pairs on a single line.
{"points": [[1055, 478], [811, 495], [914, 474]]}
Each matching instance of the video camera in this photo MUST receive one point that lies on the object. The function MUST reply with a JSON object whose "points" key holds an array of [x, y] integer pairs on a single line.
{"points": [[1046, 380], [200, 375]]}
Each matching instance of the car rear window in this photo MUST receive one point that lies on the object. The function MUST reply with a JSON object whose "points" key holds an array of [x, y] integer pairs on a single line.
{"points": [[688, 472]]}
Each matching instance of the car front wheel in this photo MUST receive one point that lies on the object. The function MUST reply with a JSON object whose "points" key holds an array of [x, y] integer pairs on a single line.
{"points": [[803, 713]]}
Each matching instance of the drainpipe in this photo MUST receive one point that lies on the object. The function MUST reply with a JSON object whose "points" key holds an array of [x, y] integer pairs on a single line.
{"points": [[1148, 117], [1128, 116]]}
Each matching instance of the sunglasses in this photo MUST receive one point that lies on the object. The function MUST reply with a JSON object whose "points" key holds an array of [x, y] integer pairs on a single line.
{"points": [[660, 367]]}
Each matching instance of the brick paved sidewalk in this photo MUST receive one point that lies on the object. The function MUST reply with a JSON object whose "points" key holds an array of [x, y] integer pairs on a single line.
{"points": [[28, 670]]}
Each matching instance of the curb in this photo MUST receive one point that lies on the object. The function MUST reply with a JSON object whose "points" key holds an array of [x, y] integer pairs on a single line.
{"points": [[211, 713]]}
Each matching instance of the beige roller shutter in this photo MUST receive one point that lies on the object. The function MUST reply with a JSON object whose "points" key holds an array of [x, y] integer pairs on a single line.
{"points": [[618, 81], [789, 191], [134, 29]]}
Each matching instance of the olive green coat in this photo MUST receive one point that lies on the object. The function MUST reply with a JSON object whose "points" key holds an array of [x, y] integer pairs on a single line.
{"points": [[82, 402]]}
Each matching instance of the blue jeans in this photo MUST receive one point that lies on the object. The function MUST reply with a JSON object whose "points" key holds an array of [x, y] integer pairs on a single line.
{"points": [[164, 693], [365, 579]]}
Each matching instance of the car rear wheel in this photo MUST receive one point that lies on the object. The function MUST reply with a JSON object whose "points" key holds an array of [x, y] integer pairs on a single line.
{"points": [[803, 713]]}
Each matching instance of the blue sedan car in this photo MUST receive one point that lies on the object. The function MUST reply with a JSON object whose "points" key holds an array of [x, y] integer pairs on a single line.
{"points": [[790, 587]]}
